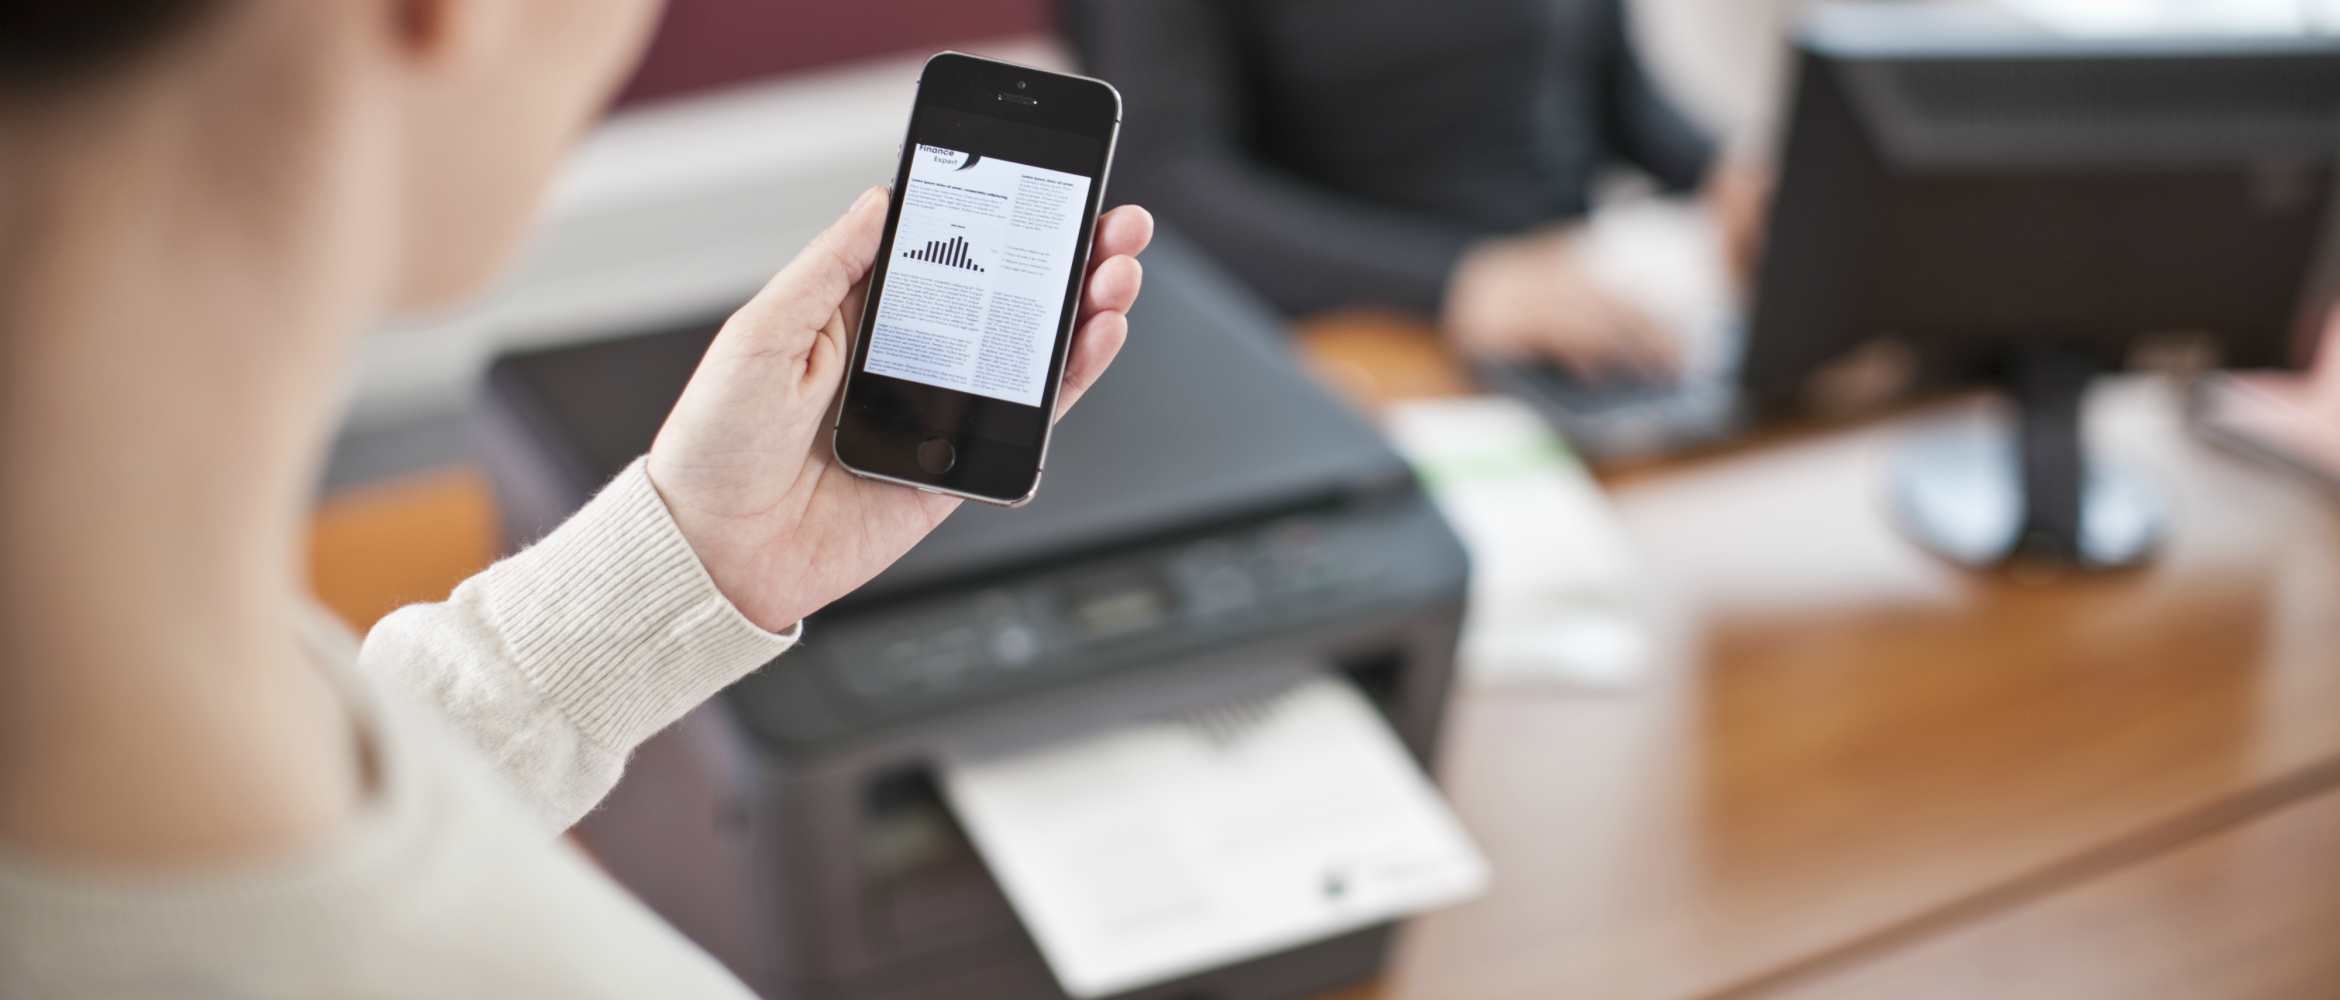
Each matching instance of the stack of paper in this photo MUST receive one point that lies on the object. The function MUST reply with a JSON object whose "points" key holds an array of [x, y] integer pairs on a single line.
{"points": [[1555, 585]]}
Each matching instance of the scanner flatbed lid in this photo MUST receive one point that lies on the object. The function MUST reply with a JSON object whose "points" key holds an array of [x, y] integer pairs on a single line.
{"points": [[1205, 417]]}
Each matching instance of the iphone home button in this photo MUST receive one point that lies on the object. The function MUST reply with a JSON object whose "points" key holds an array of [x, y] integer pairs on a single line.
{"points": [[936, 456]]}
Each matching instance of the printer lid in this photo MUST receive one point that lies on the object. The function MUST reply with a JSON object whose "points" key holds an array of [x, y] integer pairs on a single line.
{"points": [[1205, 418]]}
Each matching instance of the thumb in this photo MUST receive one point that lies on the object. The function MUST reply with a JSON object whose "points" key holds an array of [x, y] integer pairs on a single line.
{"points": [[806, 294]]}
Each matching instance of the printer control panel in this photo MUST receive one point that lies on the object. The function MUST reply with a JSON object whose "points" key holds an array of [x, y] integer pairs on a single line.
{"points": [[1129, 606]]}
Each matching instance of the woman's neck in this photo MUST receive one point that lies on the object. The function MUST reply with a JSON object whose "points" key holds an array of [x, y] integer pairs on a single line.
{"points": [[156, 432], [168, 367]]}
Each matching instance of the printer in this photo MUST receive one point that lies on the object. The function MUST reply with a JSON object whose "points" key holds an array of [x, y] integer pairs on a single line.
{"points": [[1212, 526]]}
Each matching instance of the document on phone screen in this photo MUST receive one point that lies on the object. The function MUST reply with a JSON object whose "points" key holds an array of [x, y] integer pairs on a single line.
{"points": [[977, 274]]}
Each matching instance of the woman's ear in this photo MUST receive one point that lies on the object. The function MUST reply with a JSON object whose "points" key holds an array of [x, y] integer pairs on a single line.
{"points": [[445, 32]]}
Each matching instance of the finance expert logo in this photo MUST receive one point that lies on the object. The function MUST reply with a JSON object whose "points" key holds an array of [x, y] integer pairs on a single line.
{"points": [[952, 158]]}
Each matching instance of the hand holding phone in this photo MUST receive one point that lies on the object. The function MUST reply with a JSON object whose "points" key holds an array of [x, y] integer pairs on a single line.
{"points": [[957, 359], [743, 462]]}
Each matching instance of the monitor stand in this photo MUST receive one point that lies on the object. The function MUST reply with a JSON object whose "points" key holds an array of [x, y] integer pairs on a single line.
{"points": [[1991, 494]]}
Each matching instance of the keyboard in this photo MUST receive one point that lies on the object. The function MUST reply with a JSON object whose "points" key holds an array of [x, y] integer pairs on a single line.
{"points": [[1622, 418]]}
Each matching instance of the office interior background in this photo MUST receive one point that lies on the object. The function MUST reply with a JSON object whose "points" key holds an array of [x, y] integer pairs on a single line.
{"points": [[1721, 718]]}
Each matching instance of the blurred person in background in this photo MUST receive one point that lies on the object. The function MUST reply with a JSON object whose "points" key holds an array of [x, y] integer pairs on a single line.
{"points": [[206, 790], [1436, 160]]}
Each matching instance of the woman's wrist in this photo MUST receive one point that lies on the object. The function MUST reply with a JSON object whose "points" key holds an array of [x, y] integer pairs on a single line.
{"points": [[614, 617]]}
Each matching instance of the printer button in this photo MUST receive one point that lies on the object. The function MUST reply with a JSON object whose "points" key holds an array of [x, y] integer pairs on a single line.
{"points": [[1014, 645], [877, 677]]}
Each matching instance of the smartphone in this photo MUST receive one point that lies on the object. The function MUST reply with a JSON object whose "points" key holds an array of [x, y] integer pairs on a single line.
{"points": [[961, 350]]}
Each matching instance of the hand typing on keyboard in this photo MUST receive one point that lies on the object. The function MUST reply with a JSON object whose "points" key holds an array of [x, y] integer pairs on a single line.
{"points": [[1532, 296]]}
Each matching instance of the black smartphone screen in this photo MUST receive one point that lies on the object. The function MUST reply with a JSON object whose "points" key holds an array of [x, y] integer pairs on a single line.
{"points": [[977, 283]]}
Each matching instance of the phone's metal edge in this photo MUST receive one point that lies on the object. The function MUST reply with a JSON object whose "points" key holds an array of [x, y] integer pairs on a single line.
{"points": [[1080, 290]]}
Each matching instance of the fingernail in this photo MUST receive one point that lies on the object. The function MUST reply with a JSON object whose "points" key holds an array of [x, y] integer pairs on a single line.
{"points": [[867, 195]]}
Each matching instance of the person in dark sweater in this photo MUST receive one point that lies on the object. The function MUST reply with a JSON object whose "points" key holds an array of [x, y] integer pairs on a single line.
{"points": [[1435, 159]]}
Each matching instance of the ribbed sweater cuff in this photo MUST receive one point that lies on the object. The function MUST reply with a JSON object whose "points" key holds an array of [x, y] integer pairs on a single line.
{"points": [[617, 623]]}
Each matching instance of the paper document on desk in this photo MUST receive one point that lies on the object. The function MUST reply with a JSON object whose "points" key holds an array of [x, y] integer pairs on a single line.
{"points": [[1171, 847], [1556, 586]]}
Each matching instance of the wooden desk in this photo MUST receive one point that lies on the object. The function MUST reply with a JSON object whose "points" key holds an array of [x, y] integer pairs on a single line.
{"points": [[1860, 773]]}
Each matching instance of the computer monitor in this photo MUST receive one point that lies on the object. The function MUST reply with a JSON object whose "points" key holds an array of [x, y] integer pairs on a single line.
{"points": [[2026, 208]]}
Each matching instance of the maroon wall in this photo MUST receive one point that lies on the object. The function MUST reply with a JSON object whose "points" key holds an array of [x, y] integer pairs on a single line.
{"points": [[709, 43]]}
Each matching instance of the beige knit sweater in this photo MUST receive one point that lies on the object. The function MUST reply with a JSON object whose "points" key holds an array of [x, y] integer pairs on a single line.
{"points": [[494, 720]]}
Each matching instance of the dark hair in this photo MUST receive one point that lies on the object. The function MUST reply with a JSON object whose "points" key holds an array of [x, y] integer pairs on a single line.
{"points": [[57, 41]]}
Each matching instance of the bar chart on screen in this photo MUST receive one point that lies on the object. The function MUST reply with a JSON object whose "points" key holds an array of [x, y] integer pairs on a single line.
{"points": [[994, 244], [953, 252]]}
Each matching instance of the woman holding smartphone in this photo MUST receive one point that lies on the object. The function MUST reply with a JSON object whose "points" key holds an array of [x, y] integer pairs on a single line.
{"points": [[204, 791]]}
